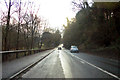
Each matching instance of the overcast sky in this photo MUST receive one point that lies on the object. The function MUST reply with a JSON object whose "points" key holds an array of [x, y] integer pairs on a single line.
{"points": [[54, 11]]}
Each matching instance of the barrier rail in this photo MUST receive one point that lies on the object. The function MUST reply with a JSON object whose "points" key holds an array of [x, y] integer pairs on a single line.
{"points": [[10, 55]]}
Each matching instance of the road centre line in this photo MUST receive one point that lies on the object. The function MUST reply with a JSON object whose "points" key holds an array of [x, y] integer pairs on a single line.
{"points": [[82, 62]]}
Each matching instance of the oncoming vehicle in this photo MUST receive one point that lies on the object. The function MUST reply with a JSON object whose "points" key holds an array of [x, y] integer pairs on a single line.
{"points": [[74, 49], [59, 48]]}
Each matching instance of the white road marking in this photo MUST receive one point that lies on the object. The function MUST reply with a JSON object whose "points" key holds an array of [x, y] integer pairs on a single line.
{"points": [[114, 60], [82, 62], [66, 68], [98, 68]]}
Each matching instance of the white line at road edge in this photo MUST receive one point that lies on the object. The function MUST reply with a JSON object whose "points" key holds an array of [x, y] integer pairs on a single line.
{"points": [[97, 67]]}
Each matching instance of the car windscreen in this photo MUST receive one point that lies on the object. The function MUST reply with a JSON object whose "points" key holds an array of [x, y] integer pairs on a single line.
{"points": [[73, 47]]}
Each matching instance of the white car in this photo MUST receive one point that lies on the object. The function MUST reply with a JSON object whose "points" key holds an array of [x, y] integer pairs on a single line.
{"points": [[74, 49]]}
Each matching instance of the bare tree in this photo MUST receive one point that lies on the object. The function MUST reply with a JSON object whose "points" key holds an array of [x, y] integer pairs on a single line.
{"points": [[7, 26], [6, 19], [34, 22], [79, 4], [25, 24], [18, 28], [26, 30]]}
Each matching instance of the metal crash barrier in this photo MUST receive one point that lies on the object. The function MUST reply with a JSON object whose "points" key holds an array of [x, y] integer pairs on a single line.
{"points": [[10, 55]]}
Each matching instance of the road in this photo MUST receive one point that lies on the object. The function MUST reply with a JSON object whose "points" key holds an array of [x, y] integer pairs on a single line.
{"points": [[0, 71], [63, 64], [9, 68]]}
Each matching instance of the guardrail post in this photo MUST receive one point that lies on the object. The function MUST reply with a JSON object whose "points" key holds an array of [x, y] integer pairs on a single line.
{"points": [[29, 52], [4, 57], [16, 55], [25, 53]]}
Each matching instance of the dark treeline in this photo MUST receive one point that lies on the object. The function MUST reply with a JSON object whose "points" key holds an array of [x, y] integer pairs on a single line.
{"points": [[94, 27], [51, 39]]}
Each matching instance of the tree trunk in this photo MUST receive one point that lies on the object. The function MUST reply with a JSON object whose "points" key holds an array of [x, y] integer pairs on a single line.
{"points": [[17, 44], [32, 39], [7, 28]]}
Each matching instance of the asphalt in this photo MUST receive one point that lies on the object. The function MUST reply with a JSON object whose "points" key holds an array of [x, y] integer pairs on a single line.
{"points": [[110, 65], [50, 67], [63, 64], [9, 68]]}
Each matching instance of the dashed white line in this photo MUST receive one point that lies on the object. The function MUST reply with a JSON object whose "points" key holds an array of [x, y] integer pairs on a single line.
{"points": [[82, 62]]}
